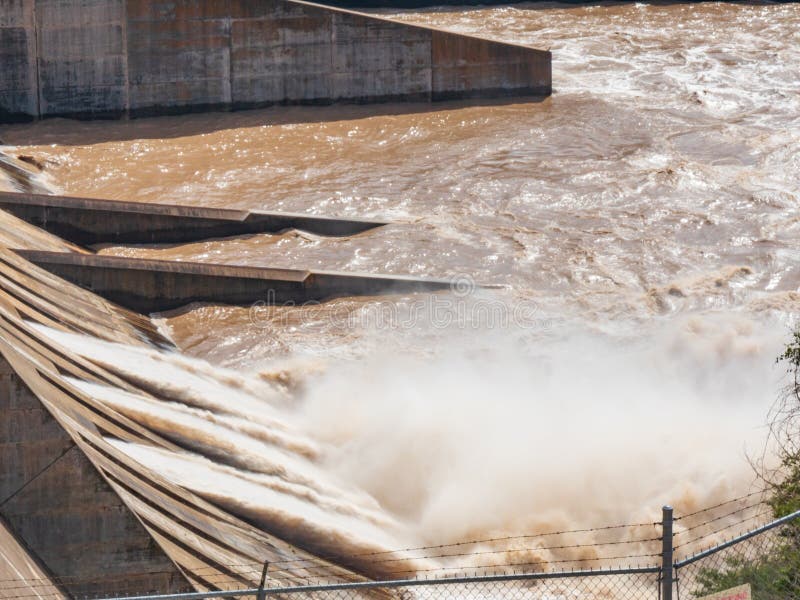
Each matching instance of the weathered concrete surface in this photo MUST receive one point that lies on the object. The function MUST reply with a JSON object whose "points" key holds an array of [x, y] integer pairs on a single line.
{"points": [[115, 57], [470, 68], [150, 286], [70, 522], [178, 54], [89, 221], [18, 74], [82, 56], [422, 3], [20, 572]]}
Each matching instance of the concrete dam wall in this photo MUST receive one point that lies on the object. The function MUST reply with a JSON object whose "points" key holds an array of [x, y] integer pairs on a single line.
{"points": [[67, 517], [78, 515], [108, 58]]}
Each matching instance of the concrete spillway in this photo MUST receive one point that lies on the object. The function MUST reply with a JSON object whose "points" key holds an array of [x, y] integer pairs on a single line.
{"points": [[48, 484], [155, 285], [80, 516], [108, 58], [75, 507], [89, 221]]}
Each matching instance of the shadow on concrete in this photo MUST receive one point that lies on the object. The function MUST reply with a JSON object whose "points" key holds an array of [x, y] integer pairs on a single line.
{"points": [[69, 132]]}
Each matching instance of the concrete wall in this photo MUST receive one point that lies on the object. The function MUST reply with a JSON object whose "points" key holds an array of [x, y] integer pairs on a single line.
{"points": [[148, 286], [116, 57], [81, 55], [398, 4], [21, 573], [64, 514], [88, 221], [18, 75]]}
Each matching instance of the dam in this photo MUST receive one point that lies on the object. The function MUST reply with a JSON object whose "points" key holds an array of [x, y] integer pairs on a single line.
{"points": [[89, 519], [639, 229], [128, 530], [109, 58]]}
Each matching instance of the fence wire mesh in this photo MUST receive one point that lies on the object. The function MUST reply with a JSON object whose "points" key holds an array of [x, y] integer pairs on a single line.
{"points": [[763, 553], [769, 561], [606, 585], [641, 583]]}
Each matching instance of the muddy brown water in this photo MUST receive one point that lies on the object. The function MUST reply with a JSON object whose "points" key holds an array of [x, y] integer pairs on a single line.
{"points": [[661, 176], [646, 217]]}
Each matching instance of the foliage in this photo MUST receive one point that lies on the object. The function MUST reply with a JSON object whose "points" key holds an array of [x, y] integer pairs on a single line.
{"points": [[770, 563], [774, 572], [773, 575], [785, 497], [792, 353]]}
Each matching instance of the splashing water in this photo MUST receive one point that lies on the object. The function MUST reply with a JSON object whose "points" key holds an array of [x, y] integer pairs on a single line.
{"points": [[399, 451], [650, 207]]}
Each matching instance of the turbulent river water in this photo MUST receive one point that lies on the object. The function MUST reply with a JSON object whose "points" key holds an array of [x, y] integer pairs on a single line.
{"points": [[643, 224]]}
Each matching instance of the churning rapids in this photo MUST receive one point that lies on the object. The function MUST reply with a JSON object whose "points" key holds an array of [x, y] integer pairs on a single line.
{"points": [[644, 223]]}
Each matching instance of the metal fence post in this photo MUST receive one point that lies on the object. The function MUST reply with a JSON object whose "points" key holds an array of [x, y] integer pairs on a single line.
{"points": [[667, 575], [262, 592]]}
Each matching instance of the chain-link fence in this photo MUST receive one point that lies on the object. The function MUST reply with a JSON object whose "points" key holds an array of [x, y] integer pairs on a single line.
{"points": [[696, 555], [767, 559], [622, 584]]}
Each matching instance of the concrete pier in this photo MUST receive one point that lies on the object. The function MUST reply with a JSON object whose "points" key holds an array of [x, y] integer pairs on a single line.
{"points": [[89, 221], [109, 58], [148, 286]]}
